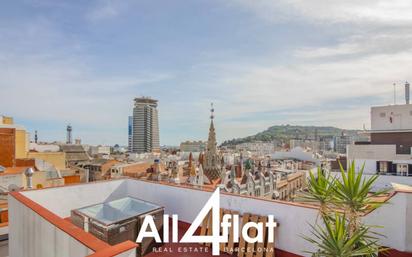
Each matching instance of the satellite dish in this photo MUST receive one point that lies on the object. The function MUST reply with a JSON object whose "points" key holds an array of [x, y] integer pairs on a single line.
{"points": [[13, 188]]}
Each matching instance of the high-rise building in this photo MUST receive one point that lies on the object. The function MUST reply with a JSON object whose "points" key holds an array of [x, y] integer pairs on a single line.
{"points": [[130, 133], [145, 129], [340, 142]]}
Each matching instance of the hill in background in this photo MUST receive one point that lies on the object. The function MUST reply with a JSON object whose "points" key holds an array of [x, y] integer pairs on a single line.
{"points": [[283, 133]]}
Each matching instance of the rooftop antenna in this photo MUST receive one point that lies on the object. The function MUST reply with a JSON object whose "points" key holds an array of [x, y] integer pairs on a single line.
{"points": [[69, 134]]}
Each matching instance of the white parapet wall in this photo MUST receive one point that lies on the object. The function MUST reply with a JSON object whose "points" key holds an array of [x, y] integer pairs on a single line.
{"points": [[32, 235], [293, 219], [37, 227], [61, 200], [395, 219]]}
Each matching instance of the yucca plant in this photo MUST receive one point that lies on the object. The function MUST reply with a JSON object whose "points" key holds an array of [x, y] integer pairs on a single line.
{"points": [[353, 194], [333, 239], [342, 203], [319, 191]]}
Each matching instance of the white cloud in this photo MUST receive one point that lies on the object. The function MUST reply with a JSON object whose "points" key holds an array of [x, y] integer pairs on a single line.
{"points": [[60, 86], [48, 76], [61, 93], [333, 91], [374, 50], [385, 42], [333, 11]]}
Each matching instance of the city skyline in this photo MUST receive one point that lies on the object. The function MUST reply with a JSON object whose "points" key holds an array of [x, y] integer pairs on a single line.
{"points": [[84, 63], [257, 128]]}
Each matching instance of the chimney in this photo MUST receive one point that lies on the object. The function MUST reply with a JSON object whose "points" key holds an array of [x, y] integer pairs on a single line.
{"points": [[29, 173], [407, 92]]}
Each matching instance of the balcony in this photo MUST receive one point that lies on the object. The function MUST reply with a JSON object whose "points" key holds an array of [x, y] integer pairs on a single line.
{"points": [[40, 216]]}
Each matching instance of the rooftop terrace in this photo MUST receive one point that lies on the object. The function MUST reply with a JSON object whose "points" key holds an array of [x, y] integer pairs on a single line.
{"points": [[40, 216]]}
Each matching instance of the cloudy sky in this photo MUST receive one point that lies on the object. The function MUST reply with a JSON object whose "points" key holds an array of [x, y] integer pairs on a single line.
{"points": [[261, 62]]}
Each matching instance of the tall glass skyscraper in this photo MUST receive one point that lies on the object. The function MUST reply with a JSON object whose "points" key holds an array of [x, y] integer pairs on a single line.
{"points": [[145, 126], [130, 133]]}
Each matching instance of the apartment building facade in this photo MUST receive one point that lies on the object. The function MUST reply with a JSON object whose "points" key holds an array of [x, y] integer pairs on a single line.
{"points": [[389, 150]]}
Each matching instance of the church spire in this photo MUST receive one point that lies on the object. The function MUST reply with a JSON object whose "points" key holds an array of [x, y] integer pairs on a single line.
{"points": [[211, 167], [211, 141]]}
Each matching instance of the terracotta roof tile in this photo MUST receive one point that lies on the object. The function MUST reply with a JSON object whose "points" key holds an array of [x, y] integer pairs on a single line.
{"points": [[14, 170]]}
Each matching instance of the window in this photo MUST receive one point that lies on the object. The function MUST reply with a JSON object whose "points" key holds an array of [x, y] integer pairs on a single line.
{"points": [[382, 115], [410, 112], [383, 167], [402, 169]]}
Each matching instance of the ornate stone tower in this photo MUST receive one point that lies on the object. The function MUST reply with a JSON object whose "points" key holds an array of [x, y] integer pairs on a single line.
{"points": [[212, 160], [191, 167]]}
